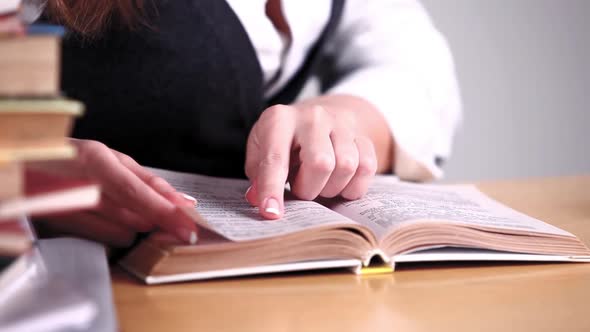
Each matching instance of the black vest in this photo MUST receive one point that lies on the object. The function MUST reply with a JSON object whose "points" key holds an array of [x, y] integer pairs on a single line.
{"points": [[182, 94]]}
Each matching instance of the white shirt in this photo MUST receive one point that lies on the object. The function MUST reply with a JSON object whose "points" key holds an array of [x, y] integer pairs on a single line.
{"points": [[391, 55]]}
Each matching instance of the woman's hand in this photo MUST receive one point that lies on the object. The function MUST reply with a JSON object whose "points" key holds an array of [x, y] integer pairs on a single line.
{"points": [[133, 199], [327, 146]]}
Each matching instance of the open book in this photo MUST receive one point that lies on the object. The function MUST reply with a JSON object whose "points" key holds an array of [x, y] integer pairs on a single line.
{"points": [[395, 222]]}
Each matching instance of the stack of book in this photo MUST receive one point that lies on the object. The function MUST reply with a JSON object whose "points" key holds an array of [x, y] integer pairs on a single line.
{"points": [[35, 121]]}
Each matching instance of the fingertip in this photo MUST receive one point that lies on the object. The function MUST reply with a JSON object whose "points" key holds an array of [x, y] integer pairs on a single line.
{"points": [[183, 225], [189, 200], [180, 199], [270, 215], [187, 235], [193, 238], [271, 209]]}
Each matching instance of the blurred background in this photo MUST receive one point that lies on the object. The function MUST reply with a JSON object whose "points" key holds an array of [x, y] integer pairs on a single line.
{"points": [[524, 71]]}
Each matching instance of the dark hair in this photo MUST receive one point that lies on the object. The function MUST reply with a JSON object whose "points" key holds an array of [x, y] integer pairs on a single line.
{"points": [[90, 17]]}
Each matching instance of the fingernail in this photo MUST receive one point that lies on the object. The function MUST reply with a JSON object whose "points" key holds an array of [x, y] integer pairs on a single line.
{"points": [[188, 235], [272, 207], [247, 191], [193, 238], [190, 198]]}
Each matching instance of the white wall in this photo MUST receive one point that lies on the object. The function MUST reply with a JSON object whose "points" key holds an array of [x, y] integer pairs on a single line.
{"points": [[524, 70]]}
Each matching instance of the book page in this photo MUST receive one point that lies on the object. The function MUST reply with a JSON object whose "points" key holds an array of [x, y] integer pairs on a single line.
{"points": [[390, 203], [221, 202]]}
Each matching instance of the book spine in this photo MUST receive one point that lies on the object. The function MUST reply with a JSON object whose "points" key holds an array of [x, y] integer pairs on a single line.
{"points": [[45, 29], [11, 180]]}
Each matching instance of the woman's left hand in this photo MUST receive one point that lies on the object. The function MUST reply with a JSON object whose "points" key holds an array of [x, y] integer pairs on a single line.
{"points": [[320, 148]]}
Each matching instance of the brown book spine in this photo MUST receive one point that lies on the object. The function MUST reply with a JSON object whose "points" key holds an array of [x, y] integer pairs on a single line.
{"points": [[11, 180], [34, 130], [30, 66]]}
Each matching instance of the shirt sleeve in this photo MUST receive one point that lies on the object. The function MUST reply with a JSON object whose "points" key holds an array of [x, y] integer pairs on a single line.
{"points": [[389, 53]]}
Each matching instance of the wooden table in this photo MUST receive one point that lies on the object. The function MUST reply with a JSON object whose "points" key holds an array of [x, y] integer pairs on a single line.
{"points": [[444, 297]]}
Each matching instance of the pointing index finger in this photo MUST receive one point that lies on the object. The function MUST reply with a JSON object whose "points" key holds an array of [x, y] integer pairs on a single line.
{"points": [[274, 136]]}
